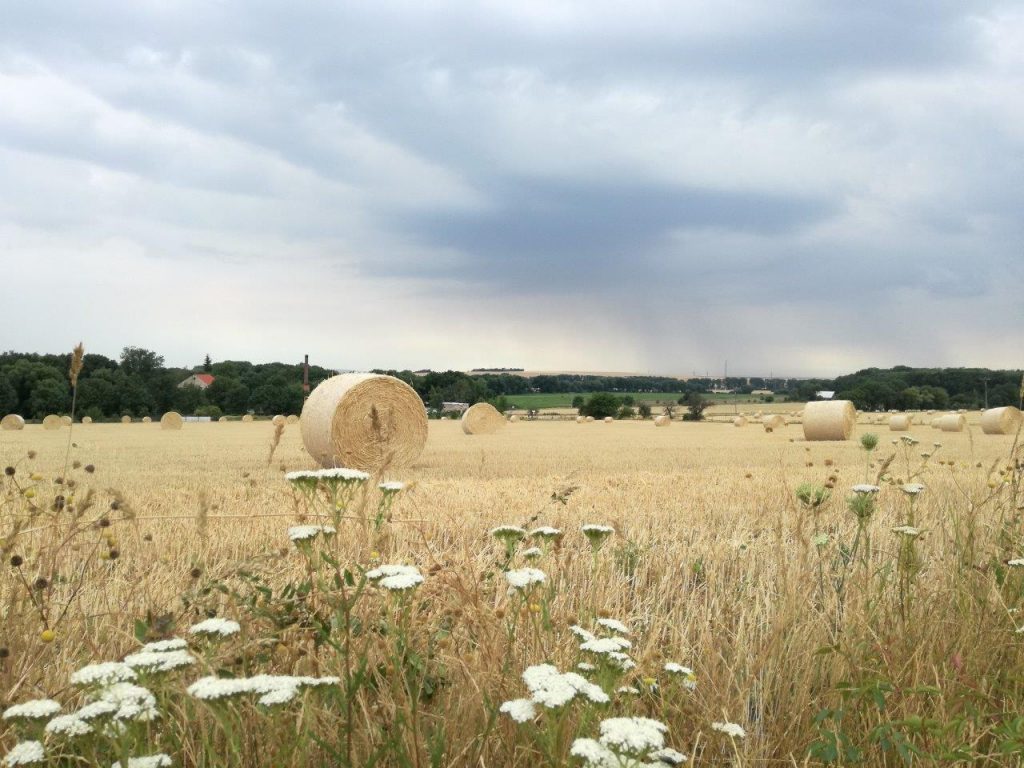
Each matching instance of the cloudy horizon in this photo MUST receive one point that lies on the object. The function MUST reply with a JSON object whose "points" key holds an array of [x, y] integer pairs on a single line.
{"points": [[805, 189]]}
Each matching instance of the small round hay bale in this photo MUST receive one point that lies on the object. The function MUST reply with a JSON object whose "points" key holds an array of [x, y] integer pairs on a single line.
{"points": [[222, 420], [580, 419], [900, 422], [247, 418], [52, 422], [662, 421], [608, 419], [952, 422], [757, 414], [171, 420], [364, 421], [147, 420], [66, 421], [739, 421], [1001, 421], [962, 410], [829, 420], [482, 419], [773, 421], [513, 419], [87, 419], [278, 420], [590, 419], [935, 422], [12, 422], [292, 419]]}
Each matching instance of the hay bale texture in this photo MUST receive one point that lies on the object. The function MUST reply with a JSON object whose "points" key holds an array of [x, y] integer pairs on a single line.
{"points": [[247, 418], [773, 421], [952, 422], [222, 420], [87, 419], [278, 420], [126, 419], [52, 422], [662, 421], [66, 421], [829, 420], [900, 422], [292, 419], [580, 419], [364, 421], [482, 419], [171, 420], [146, 420], [608, 419], [1001, 421], [513, 419], [12, 422], [739, 421]]}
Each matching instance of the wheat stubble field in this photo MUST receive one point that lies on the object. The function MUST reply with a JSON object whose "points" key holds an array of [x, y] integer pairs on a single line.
{"points": [[805, 619]]}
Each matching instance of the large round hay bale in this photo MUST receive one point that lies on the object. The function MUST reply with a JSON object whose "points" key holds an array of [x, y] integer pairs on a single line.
{"points": [[608, 419], [364, 421], [222, 420], [935, 422], [580, 419], [126, 419], [739, 421], [829, 420], [590, 419], [662, 421], [52, 422], [147, 420], [66, 421], [1001, 421], [12, 422], [513, 419], [278, 420], [171, 420], [87, 419], [952, 422], [293, 419], [773, 421], [247, 418], [482, 419], [900, 422]]}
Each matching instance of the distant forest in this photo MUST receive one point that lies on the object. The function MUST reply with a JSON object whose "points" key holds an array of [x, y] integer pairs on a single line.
{"points": [[138, 384]]}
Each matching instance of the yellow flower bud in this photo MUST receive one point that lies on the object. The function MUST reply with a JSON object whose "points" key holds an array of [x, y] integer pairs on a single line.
{"points": [[47, 636]]}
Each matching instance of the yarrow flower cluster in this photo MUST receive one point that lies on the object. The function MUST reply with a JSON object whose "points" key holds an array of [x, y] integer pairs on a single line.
{"points": [[614, 625], [396, 578], [907, 530], [25, 753], [627, 741], [68, 725], [37, 709], [912, 489], [299, 533], [546, 532], [103, 673], [149, 761], [272, 689], [216, 626], [159, 661], [533, 553], [865, 488], [391, 487], [524, 578], [732, 730], [551, 689], [597, 534], [688, 677]]}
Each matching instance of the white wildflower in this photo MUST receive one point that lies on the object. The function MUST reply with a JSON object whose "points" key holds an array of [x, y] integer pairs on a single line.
{"points": [[133, 701], [520, 710], [301, 476], [604, 530], [546, 532], [865, 488], [821, 539], [604, 645], [633, 735], [614, 625], [95, 709], [25, 753], [553, 689], [216, 626], [628, 689], [732, 730], [213, 688], [150, 761], [620, 660], [36, 709], [594, 754], [581, 633], [907, 530], [687, 674], [532, 553], [68, 725], [523, 578], [508, 533], [586, 666], [391, 487], [161, 646], [343, 474], [278, 696], [1017, 562], [396, 577], [669, 756], [303, 532], [165, 661], [104, 673], [912, 489]]}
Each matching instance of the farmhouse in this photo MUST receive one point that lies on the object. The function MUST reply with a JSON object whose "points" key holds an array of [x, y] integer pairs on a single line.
{"points": [[825, 394], [201, 380]]}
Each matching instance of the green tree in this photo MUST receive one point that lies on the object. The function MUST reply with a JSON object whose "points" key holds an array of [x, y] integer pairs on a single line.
{"points": [[207, 363], [601, 404], [8, 396], [625, 412], [578, 402], [188, 399], [209, 410], [644, 410], [136, 361], [695, 405], [50, 396]]}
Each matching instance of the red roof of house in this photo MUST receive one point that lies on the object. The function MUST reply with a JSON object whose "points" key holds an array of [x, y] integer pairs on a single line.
{"points": [[206, 378]]}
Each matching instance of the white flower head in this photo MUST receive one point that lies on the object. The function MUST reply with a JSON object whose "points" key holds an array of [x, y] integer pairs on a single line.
{"points": [[614, 625], [25, 753], [821, 539], [396, 578], [732, 730], [216, 626], [633, 735], [150, 661], [554, 689], [628, 689], [605, 645], [865, 488], [68, 725], [520, 710], [278, 696], [687, 674], [95, 709], [37, 709], [103, 673], [582, 633], [524, 578], [133, 702], [907, 530], [1017, 562], [149, 761], [546, 532], [912, 489], [669, 756], [342, 475], [508, 533], [391, 487], [585, 666], [299, 533], [160, 646], [594, 754], [532, 553]]}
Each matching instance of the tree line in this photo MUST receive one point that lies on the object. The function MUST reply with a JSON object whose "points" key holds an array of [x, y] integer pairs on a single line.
{"points": [[139, 384]]}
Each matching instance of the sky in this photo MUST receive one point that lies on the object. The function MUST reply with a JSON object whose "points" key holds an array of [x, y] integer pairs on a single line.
{"points": [[802, 188]]}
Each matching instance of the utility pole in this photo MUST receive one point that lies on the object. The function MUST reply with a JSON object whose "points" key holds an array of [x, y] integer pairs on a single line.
{"points": [[986, 393], [305, 377]]}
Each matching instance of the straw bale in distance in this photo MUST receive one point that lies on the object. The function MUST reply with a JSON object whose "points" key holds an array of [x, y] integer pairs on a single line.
{"points": [[1001, 421], [87, 419], [146, 420], [278, 420], [52, 422], [662, 421], [953, 422], [829, 420], [12, 422], [513, 419], [171, 420], [65, 421], [773, 421], [293, 419], [589, 419], [364, 421], [580, 419], [482, 419], [739, 421], [935, 422], [900, 422], [126, 419], [608, 419], [222, 420], [247, 418]]}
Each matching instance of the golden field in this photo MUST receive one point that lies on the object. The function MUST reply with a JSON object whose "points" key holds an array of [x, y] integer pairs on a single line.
{"points": [[714, 565]]}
